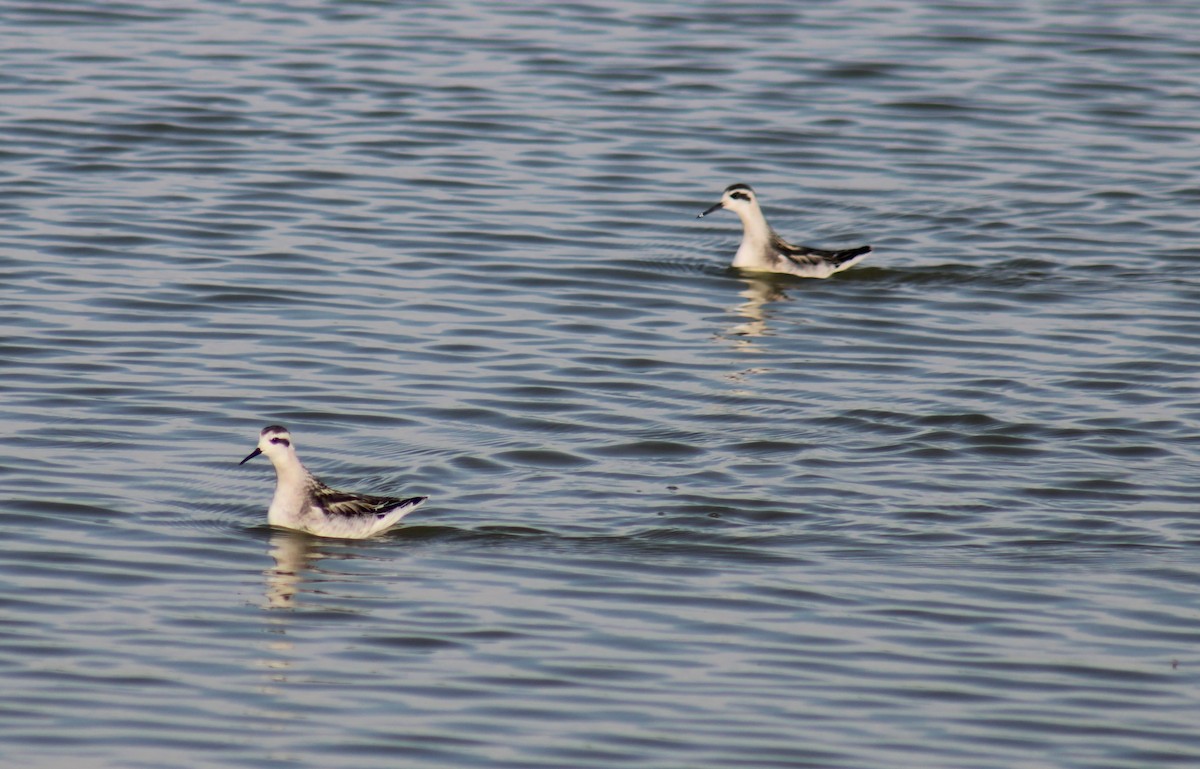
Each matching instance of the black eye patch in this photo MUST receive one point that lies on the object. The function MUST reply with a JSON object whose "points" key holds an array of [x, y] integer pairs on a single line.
{"points": [[284, 441], [739, 195]]}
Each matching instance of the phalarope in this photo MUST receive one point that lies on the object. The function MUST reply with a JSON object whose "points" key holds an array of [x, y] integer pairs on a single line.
{"points": [[304, 503], [762, 250]]}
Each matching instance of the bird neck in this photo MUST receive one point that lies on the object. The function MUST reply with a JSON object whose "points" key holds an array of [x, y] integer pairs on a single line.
{"points": [[755, 230], [290, 472], [291, 502]]}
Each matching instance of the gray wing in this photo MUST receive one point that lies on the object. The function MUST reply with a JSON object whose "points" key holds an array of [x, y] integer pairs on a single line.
{"points": [[345, 503], [807, 257]]}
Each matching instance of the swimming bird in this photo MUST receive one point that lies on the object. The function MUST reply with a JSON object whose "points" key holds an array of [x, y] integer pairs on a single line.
{"points": [[762, 250], [304, 503]]}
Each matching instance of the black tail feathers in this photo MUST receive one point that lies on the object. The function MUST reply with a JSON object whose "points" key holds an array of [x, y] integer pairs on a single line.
{"points": [[844, 256]]}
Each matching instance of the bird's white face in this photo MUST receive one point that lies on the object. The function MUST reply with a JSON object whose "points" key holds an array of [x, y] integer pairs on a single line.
{"points": [[275, 442], [737, 198]]}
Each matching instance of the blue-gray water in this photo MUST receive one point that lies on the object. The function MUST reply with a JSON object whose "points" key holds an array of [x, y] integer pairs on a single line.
{"points": [[937, 511]]}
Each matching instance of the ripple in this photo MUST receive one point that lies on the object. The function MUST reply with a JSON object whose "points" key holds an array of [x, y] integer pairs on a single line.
{"points": [[937, 510]]}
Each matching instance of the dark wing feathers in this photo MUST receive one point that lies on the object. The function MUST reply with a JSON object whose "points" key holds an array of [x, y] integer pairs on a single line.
{"points": [[337, 502], [805, 255]]}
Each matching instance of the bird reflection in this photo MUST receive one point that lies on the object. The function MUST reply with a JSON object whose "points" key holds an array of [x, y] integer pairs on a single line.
{"points": [[759, 291], [293, 552]]}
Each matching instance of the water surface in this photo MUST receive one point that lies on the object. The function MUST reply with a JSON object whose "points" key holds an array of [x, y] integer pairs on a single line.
{"points": [[937, 511]]}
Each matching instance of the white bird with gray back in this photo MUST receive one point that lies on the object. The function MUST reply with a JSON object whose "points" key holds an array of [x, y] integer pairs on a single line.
{"points": [[304, 503], [762, 250]]}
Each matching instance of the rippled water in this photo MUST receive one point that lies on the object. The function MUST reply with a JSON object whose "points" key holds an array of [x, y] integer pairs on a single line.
{"points": [[937, 511]]}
